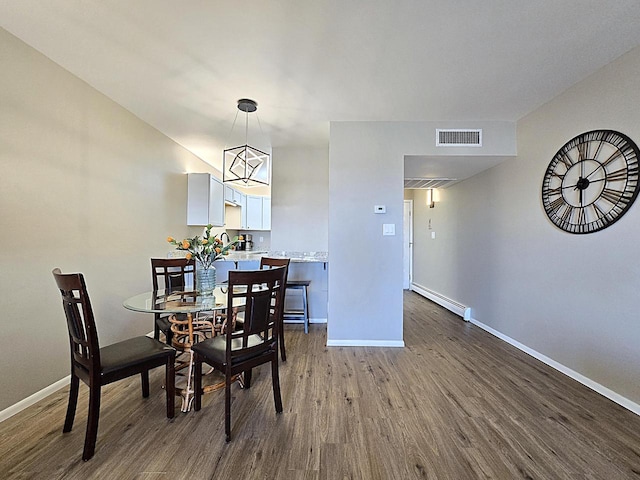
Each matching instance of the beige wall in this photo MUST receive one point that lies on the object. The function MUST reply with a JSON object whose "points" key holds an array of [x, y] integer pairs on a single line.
{"points": [[571, 298], [86, 186]]}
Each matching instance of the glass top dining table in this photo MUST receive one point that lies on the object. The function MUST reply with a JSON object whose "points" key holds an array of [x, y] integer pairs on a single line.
{"points": [[187, 301], [184, 300]]}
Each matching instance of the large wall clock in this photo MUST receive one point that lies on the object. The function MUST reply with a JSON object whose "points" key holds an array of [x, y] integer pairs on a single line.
{"points": [[591, 182]]}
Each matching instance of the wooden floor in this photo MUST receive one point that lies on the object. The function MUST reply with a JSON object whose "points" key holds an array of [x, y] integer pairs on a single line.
{"points": [[455, 403]]}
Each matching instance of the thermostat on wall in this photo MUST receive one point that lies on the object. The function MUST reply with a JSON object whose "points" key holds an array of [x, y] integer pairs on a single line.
{"points": [[379, 209]]}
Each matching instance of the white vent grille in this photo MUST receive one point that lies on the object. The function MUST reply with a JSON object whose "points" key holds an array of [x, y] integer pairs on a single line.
{"points": [[459, 138], [418, 183]]}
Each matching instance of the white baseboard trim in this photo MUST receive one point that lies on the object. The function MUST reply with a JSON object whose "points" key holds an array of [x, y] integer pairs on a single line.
{"points": [[365, 343], [63, 382], [601, 389], [36, 397], [459, 309]]}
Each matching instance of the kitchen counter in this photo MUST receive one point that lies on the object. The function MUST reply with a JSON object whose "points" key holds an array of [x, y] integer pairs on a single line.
{"points": [[296, 257]]}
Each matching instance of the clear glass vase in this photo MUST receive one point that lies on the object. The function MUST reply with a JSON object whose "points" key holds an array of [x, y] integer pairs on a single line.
{"points": [[205, 280]]}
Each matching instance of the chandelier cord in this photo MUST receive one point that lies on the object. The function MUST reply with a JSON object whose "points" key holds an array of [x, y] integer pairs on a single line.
{"points": [[246, 128], [226, 141]]}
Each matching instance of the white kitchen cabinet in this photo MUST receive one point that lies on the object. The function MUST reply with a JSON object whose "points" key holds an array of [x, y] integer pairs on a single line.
{"points": [[242, 201], [235, 213], [258, 213], [232, 196], [205, 200], [229, 194], [254, 212]]}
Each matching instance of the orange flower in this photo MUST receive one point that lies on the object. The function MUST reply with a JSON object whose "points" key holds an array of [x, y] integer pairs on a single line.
{"points": [[185, 244], [205, 241], [218, 249], [170, 239], [188, 256]]}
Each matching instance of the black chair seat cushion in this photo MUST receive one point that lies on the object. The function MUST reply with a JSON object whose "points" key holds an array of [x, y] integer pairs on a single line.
{"points": [[131, 352], [215, 349]]}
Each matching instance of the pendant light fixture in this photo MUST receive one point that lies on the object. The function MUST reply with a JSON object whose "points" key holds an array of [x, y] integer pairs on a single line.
{"points": [[245, 166]]}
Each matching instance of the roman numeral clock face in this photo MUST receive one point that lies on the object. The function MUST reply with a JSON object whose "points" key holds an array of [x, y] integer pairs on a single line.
{"points": [[591, 182]]}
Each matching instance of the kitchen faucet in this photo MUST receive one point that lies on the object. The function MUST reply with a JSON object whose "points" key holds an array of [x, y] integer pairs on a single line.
{"points": [[222, 235]]}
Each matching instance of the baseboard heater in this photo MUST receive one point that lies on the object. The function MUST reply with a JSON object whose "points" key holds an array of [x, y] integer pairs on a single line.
{"points": [[449, 304]]}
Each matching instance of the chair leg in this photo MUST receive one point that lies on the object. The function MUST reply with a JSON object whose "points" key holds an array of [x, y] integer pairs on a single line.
{"points": [[145, 383], [73, 402], [305, 309], [277, 398], [227, 404], [246, 381], [92, 422], [188, 397], [170, 385], [283, 351], [156, 331], [197, 382]]}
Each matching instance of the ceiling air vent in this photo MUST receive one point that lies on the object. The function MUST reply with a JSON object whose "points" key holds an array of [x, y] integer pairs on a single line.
{"points": [[459, 137], [421, 183]]}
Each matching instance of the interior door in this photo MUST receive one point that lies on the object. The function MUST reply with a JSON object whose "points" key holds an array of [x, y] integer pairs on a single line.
{"points": [[407, 241]]}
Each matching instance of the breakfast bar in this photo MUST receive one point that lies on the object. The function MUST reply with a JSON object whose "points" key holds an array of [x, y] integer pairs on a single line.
{"points": [[305, 266]]}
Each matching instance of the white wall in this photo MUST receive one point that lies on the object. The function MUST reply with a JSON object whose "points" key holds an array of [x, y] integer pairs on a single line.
{"points": [[569, 297], [86, 186], [366, 164]]}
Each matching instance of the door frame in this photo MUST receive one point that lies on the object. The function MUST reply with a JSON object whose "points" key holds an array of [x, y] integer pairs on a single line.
{"points": [[407, 244]]}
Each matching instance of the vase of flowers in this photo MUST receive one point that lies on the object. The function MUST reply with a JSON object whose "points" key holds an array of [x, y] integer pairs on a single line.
{"points": [[205, 250]]}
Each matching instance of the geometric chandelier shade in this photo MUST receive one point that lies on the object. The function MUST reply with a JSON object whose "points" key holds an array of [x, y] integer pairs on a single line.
{"points": [[245, 165]]}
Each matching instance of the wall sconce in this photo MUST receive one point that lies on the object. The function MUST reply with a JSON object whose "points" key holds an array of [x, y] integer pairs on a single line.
{"points": [[430, 198]]}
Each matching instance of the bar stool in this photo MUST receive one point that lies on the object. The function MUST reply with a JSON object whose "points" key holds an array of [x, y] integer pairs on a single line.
{"points": [[299, 314]]}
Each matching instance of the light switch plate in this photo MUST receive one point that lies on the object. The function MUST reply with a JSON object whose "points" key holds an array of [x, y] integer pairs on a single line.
{"points": [[389, 229]]}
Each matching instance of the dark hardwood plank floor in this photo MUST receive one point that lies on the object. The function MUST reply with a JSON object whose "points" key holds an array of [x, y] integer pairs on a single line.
{"points": [[455, 403]]}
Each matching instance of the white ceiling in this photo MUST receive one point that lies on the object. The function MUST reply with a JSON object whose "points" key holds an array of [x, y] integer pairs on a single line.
{"points": [[181, 65]]}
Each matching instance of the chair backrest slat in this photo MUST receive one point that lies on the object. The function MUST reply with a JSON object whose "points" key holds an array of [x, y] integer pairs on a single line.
{"points": [[270, 262], [256, 294], [172, 273], [81, 326]]}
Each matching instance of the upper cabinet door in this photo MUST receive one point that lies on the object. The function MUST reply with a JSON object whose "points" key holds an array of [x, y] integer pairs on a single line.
{"points": [[254, 212], [229, 194], [216, 203], [258, 213], [205, 200], [243, 210]]}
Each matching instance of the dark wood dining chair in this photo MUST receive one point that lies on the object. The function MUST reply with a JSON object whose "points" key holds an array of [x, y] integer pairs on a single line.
{"points": [[97, 366], [170, 273], [268, 262], [257, 294]]}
